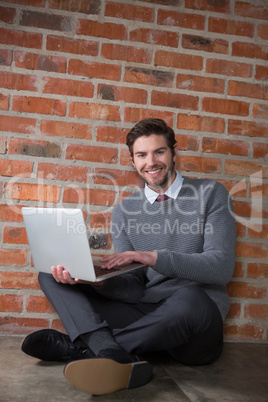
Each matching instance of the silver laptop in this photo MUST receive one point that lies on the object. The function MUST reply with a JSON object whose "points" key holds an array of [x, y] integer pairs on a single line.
{"points": [[58, 236]]}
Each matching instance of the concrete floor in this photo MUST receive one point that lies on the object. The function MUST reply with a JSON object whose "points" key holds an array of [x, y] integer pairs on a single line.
{"points": [[239, 375]]}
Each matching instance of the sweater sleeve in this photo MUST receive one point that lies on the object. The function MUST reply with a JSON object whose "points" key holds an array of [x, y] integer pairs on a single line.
{"points": [[128, 287], [215, 264]]}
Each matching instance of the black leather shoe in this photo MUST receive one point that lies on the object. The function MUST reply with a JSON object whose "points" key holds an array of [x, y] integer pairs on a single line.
{"points": [[110, 371], [52, 345]]}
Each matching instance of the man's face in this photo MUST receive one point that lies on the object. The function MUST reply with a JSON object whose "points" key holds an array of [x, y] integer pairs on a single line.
{"points": [[154, 161]]}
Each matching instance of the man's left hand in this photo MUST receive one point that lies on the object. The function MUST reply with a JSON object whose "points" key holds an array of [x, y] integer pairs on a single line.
{"points": [[147, 258]]}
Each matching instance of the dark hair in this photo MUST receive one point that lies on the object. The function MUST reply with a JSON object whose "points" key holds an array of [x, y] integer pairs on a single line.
{"points": [[148, 127]]}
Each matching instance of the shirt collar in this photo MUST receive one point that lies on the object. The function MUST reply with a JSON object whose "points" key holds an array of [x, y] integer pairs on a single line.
{"points": [[172, 191]]}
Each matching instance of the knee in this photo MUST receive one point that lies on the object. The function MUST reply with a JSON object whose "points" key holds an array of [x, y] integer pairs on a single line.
{"points": [[44, 279]]}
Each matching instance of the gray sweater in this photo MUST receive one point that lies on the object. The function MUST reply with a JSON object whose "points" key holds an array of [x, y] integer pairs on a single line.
{"points": [[194, 236]]}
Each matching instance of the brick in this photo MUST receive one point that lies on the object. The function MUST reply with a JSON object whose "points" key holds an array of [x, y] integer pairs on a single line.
{"points": [[30, 104], [238, 271], [242, 208], [199, 83], [246, 290], [183, 20], [20, 38], [251, 11], [245, 168], [38, 304], [34, 148], [236, 88], [66, 129], [68, 87], [222, 146], [5, 57], [230, 68], [174, 100], [125, 158], [22, 326], [88, 196], [234, 311], [91, 153], [3, 145], [129, 12], [251, 250], [155, 37], [204, 44], [258, 231], [149, 77], [11, 303], [100, 220], [260, 150], [33, 61], [117, 177], [260, 110], [251, 50], [75, 46], [126, 94], [230, 27], [226, 106], [94, 111], [126, 53], [81, 6], [101, 30], [133, 115], [199, 164], [10, 213], [247, 128], [52, 171], [19, 280], [178, 60], [256, 311], [261, 73], [45, 21], [7, 14], [17, 124], [200, 123], [32, 192], [235, 188], [240, 230], [57, 325], [12, 256], [263, 31], [4, 102], [204, 5], [112, 134], [258, 190], [187, 142], [244, 332], [94, 70], [19, 82], [257, 270], [15, 235], [10, 168]]}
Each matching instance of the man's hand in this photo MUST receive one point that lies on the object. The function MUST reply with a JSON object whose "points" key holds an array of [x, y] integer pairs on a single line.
{"points": [[147, 258], [61, 275]]}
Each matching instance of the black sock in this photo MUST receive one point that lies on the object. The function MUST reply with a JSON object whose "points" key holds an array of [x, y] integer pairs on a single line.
{"points": [[100, 339]]}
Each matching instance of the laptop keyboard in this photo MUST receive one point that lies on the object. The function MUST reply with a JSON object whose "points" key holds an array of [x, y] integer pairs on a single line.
{"points": [[102, 271]]}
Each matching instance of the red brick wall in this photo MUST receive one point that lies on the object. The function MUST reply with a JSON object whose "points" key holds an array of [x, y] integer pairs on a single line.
{"points": [[76, 75]]}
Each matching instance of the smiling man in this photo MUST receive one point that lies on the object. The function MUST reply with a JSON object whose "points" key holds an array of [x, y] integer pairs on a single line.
{"points": [[182, 230]]}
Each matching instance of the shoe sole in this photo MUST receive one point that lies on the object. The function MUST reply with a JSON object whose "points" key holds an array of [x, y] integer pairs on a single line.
{"points": [[103, 376]]}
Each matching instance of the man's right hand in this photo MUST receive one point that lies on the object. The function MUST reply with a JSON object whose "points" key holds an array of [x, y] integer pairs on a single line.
{"points": [[61, 275]]}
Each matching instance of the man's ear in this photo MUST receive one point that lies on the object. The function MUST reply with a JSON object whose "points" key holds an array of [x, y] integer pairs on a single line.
{"points": [[131, 158], [175, 151]]}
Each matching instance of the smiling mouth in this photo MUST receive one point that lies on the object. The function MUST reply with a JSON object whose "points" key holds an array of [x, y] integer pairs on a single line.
{"points": [[153, 171]]}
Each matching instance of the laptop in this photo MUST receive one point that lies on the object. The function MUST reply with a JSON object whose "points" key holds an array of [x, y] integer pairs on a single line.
{"points": [[58, 236]]}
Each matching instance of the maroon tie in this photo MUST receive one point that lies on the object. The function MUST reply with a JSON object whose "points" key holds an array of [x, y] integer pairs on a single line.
{"points": [[162, 197]]}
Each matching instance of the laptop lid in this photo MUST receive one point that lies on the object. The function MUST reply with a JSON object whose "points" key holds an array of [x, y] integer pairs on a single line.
{"points": [[58, 236]]}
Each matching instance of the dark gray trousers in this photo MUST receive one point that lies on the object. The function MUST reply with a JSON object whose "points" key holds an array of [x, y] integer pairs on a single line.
{"points": [[187, 325]]}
